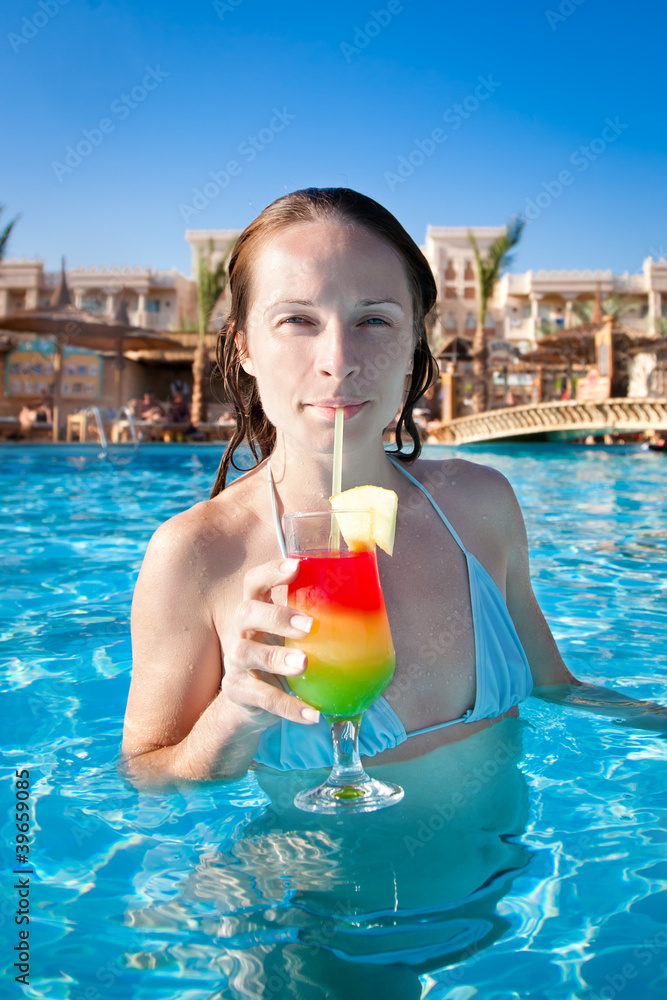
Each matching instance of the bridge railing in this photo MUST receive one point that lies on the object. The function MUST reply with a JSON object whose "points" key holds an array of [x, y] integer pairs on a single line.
{"points": [[562, 416]]}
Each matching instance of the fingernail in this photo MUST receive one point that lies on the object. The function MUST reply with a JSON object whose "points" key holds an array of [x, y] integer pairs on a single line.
{"points": [[310, 714], [296, 661], [302, 622], [289, 565]]}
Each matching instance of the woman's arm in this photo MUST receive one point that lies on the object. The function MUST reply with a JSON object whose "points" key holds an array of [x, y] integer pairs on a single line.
{"points": [[546, 663], [553, 681], [181, 722], [625, 711]]}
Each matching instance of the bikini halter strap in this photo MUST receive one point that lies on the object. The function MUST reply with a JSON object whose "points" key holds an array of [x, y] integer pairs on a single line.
{"points": [[274, 507], [432, 502], [278, 526]]}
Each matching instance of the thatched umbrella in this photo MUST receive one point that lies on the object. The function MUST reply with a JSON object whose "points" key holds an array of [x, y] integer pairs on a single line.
{"points": [[576, 346], [578, 342], [68, 326], [454, 349]]}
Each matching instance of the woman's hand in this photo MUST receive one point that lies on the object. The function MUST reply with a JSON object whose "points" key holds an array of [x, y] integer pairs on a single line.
{"points": [[254, 659]]}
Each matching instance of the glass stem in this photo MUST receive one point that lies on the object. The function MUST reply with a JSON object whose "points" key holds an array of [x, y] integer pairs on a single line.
{"points": [[347, 768]]}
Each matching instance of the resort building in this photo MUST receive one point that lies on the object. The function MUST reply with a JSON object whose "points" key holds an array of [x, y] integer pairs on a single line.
{"points": [[523, 308], [153, 300], [156, 300], [526, 306], [524, 313]]}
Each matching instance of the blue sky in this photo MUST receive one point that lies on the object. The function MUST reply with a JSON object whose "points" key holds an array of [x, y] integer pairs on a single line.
{"points": [[295, 95]]}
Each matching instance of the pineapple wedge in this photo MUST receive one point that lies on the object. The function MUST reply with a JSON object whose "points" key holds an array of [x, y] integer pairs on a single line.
{"points": [[382, 505]]}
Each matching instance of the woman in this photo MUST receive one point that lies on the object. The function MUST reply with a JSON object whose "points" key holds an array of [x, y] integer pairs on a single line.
{"points": [[40, 412], [329, 298]]}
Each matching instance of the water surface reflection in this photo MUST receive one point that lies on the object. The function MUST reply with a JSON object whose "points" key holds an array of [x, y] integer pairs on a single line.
{"points": [[308, 906]]}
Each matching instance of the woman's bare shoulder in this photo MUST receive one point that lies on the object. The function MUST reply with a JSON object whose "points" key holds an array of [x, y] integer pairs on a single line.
{"points": [[479, 483], [207, 525], [200, 547], [478, 500], [197, 523]]}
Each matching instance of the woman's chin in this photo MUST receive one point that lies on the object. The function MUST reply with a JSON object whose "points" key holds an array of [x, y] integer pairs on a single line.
{"points": [[315, 434]]}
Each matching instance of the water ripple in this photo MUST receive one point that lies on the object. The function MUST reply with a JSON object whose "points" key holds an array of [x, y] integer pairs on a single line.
{"points": [[219, 895]]}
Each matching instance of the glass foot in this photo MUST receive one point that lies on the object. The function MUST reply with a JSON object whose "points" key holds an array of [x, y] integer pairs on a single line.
{"points": [[359, 797]]}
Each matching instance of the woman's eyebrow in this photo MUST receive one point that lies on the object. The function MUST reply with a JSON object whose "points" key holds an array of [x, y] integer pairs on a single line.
{"points": [[289, 302], [379, 302], [310, 302]]}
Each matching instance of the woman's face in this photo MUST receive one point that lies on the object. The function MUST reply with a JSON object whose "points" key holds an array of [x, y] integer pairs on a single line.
{"points": [[330, 323]]}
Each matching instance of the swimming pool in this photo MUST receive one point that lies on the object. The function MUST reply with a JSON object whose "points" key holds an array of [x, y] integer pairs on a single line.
{"points": [[528, 863]]}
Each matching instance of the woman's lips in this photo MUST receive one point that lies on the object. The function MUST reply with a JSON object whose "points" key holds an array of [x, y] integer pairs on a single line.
{"points": [[328, 410]]}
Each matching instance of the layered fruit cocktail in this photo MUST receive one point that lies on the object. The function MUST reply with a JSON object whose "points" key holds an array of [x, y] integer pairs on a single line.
{"points": [[350, 653], [349, 648]]}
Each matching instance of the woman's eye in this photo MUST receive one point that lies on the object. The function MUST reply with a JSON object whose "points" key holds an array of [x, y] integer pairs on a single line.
{"points": [[303, 320]]}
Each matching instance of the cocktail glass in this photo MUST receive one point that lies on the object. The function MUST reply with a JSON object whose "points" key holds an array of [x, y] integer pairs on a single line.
{"points": [[350, 652]]}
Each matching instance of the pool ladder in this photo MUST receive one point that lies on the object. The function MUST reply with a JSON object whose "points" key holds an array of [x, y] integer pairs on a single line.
{"points": [[94, 411]]}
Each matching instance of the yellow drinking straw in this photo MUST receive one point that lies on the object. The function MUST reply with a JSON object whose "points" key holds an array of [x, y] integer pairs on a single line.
{"points": [[337, 483]]}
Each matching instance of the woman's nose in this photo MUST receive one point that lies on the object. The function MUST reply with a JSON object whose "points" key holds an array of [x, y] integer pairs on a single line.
{"points": [[337, 351]]}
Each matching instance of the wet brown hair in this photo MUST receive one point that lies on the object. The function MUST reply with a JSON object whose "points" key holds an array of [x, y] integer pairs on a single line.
{"points": [[314, 205]]}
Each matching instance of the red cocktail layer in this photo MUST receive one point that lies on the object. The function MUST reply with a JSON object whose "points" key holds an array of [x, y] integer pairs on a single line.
{"points": [[350, 652]]}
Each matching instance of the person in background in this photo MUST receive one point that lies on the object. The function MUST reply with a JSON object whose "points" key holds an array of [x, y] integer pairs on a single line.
{"points": [[148, 408], [179, 410], [39, 412], [179, 386]]}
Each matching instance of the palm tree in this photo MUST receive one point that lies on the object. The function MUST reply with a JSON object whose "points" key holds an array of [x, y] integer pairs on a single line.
{"points": [[488, 270], [614, 305], [211, 283], [433, 326], [4, 234]]}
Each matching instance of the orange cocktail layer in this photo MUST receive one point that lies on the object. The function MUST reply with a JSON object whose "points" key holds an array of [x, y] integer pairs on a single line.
{"points": [[350, 653]]}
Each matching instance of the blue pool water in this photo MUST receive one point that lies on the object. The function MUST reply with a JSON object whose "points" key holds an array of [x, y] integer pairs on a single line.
{"points": [[528, 862]]}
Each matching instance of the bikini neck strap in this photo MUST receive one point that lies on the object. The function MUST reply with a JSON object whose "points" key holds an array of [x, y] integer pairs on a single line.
{"points": [[279, 528], [274, 507], [445, 520]]}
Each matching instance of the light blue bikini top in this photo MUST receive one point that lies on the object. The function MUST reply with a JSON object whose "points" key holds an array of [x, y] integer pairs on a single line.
{"points": [[502, 673]]}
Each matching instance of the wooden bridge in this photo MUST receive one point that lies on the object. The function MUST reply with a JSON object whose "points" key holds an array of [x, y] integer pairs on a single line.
{"points": [[560, 421]]}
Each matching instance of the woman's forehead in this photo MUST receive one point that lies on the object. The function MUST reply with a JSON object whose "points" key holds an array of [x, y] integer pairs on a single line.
{"points": [[320, 255]]}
